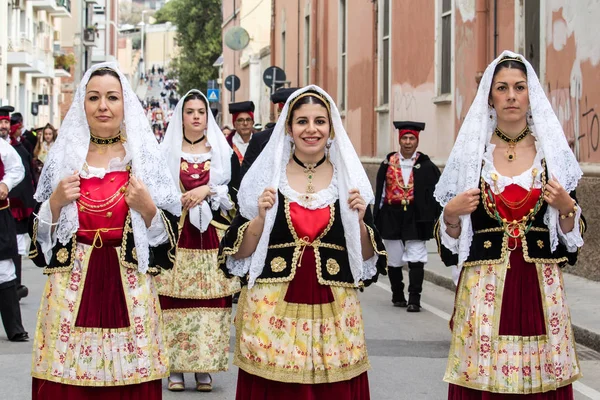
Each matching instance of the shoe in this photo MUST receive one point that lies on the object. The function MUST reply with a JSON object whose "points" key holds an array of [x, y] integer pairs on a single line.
{"points": [[401, 303], [204, 387], [20, 337], [22, 292], [413, 308], [175, 386]]}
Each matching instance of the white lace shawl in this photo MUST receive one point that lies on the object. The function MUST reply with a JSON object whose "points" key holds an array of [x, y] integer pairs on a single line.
{"points": [[69, 152], [463, 169], [265, 172]]}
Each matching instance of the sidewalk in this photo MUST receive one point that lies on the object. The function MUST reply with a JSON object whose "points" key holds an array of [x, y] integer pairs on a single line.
{"points": [[583, 297]]}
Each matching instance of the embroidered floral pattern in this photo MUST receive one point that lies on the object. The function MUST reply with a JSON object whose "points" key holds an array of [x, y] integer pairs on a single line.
{"points": [[481, 359], [62, 255], [198, 338], [81, 356], [196, 275], [327, 349]]}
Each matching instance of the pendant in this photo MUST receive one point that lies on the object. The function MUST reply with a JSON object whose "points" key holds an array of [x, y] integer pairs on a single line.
{"points": [[404, 203], [511, 154], [184, 166]]}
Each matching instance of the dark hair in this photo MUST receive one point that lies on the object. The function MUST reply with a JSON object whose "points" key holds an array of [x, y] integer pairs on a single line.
{"points": [[194, 96], [16, 118], [312, 98], [105, 71], [511, 63]]}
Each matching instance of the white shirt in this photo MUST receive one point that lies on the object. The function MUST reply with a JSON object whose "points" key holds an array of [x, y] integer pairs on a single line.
{"points": [[407, 165], [14, 172], [239, 143]]}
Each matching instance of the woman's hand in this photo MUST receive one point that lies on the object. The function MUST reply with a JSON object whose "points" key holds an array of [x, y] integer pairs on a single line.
{"points": [[265, 201], [194, 197], [65, 193], [138, 198], [557, 197], [462, 204], [356, 202]]}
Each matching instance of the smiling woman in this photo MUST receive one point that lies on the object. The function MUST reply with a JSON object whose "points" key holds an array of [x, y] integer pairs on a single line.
{"points": [[304, 241], [106, 224]]}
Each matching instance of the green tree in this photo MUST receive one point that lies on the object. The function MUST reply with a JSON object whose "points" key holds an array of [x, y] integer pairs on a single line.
{"points": [[199, 37]]}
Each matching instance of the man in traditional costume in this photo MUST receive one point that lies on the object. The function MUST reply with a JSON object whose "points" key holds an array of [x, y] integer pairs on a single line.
{"points": [[21, 197], [405, 212], [11, 173], [260, 139], [243, 121]]}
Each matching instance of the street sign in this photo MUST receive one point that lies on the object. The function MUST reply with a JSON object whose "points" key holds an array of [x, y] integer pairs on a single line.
{"points": [[274, 77], [213, 95], [232, 83]]}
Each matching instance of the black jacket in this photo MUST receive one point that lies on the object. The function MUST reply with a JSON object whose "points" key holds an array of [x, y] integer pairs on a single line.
{"points": [[257, 144]]}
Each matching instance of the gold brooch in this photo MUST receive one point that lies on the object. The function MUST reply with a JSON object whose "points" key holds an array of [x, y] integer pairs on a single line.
{"points": [[207, 165], [184, 166], [540, 244], [278, 264], [332, 266], [62, 256], [487, 244]]}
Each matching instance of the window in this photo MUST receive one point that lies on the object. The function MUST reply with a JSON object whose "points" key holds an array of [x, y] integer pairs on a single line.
{"points": [[384, 68], [343, 60], [532, 33], [283, 50], [306, 49], [446, 48]]}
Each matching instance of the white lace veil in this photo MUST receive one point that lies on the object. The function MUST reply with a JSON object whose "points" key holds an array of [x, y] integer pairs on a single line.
{"points": [[463, 169], [266, 172], [220, 164], [69, 152]]}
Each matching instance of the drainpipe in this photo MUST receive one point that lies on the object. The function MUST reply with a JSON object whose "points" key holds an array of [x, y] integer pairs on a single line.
{"points": [[313, 42], [374, 98], [495, 28], [481, 34], [272, 50], [298, 46]]}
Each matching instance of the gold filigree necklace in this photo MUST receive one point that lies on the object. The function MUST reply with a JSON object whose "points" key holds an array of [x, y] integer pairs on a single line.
{"points": [[309, 171], [511, 153]]}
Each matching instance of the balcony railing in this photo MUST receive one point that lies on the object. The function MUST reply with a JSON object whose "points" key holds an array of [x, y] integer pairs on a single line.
{"points": [[64, 3]]}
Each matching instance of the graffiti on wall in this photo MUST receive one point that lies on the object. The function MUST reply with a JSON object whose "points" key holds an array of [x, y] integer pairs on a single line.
{"points": [[579, 120]]}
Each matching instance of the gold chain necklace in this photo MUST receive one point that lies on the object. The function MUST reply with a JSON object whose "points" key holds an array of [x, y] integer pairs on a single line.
{"points": [[511, 153]]}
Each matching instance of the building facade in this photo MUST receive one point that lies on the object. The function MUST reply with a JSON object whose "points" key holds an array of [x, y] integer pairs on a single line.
{"points": [[29, 80], [248, 64]]}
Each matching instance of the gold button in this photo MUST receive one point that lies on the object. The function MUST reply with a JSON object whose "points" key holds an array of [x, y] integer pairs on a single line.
{"points": [[109, 214]]}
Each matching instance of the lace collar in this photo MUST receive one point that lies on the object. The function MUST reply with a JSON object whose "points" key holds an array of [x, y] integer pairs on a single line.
{"points": [[320, 199], [115, 164], [196, 158], [524, 179]]}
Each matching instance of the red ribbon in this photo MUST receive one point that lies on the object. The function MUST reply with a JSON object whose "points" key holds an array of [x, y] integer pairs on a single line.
{"points": [[403, 132]]}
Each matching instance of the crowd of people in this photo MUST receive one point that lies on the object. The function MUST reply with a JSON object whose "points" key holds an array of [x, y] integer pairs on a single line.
{"points": [[144, 263]]}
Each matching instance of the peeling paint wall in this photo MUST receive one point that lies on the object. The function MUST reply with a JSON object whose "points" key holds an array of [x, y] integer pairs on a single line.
{"points": [[573, 72]]}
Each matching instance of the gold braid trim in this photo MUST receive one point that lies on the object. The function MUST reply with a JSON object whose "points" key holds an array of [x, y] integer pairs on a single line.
{"points": [[227, 251], [373, 243], [66, 268], [33, 253]]}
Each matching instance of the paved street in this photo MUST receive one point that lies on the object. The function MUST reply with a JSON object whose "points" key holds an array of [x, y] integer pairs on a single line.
{"points": [[407, 351]]}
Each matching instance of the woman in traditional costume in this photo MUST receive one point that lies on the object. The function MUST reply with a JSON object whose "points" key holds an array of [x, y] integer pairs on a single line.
{"points": [[107, 223], [305, 242], [511, 221], [196, 296]]}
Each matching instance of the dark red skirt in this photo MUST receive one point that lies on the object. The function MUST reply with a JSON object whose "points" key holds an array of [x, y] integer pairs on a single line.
{"points": [[252, 387], [102, 305], [522, 314]]}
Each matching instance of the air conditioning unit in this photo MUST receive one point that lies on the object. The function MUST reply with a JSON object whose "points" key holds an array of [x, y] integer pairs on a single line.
{"points": [[18, 4]]}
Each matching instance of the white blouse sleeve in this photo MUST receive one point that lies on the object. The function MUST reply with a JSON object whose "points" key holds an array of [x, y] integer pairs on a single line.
{"points": [[45, 236], [448, 241], [573, 239], [157, 232]]}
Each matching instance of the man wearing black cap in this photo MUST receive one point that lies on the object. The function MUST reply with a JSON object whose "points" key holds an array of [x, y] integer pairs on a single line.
{"points": [[405, 212], [260, 139], [243, 121], [11, 173]]}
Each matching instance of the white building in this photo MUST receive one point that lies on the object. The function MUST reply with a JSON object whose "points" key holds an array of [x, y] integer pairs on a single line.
{"points": [[28, 80]]}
